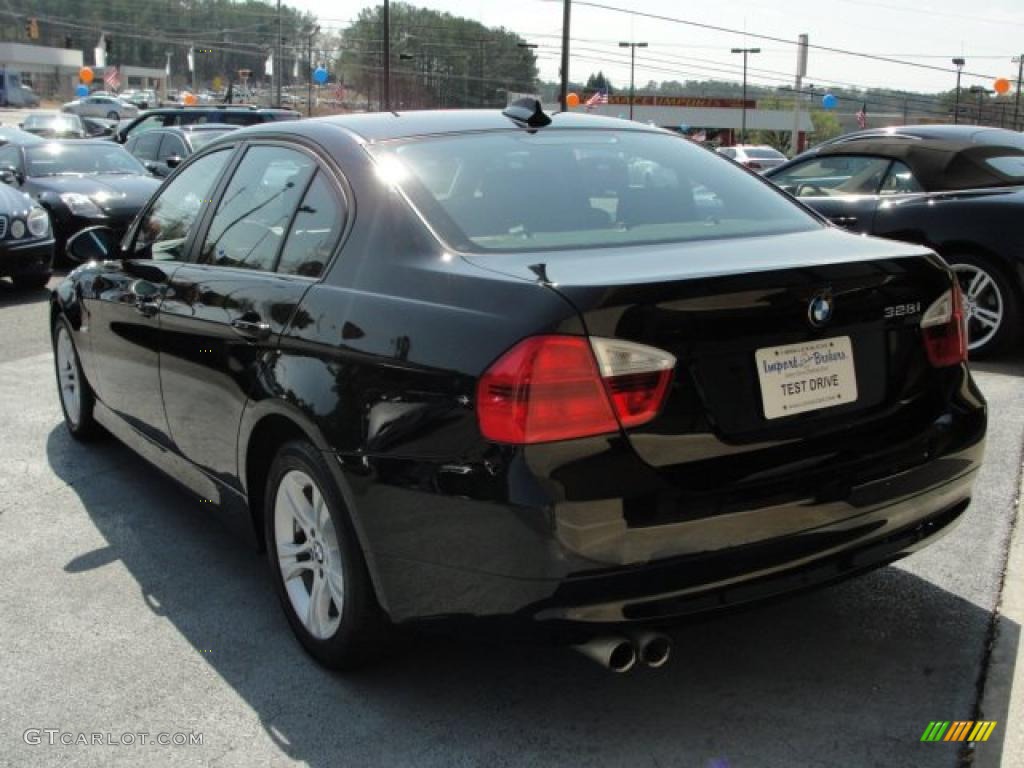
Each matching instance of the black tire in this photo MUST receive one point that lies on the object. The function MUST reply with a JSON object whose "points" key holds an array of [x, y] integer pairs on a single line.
{"points": [[1009, 326], [33, 281], [112, 115], [361, 633], [85, 428]]}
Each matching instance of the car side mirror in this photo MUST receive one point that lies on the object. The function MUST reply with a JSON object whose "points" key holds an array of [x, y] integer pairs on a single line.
{"points": [[93, 244], [10, 175], [173, 161]]}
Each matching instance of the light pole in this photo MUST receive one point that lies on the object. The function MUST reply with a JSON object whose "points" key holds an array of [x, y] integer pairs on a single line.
{"points": [[959, 64], [386, 54], [313, 32], [632, 70], [563, 88], [1019, 61], [278, 64], [746, 52]]}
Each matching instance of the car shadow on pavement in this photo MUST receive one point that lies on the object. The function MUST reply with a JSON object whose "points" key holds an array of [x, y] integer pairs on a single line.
{"points": [[847, 676]]}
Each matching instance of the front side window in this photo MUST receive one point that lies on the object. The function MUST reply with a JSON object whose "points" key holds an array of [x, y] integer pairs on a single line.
{"points": [[512, 190], [834, 175], [172, 146], [165, 228], [253, 216], [145, 146]]}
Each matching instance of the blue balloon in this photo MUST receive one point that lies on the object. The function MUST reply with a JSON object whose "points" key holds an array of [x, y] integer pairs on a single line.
{"points": [[829, 101], [683, 127], [82, 91], [320, 75]]}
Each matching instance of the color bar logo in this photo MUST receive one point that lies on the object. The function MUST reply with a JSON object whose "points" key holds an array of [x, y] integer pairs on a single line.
{"points": [[959, 730]]}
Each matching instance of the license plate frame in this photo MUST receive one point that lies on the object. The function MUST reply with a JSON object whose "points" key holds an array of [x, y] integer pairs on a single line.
{"points": [[806, 376]]}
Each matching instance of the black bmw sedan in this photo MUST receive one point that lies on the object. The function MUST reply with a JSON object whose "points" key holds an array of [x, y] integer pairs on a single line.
{"points": [[79, 183], [564, 369], [958, 190]]}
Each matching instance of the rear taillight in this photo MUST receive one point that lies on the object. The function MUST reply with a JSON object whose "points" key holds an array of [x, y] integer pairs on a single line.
{"points": [[942, 326], [550, 388]]}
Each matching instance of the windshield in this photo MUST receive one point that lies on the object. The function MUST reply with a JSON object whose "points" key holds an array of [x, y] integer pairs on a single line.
{"points": [[514, 191], [200, 139], [86, 157], [57, 123]]}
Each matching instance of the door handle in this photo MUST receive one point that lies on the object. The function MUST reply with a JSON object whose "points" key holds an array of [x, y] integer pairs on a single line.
{"points": [[252, 329], [844, 221], [147, 308]]}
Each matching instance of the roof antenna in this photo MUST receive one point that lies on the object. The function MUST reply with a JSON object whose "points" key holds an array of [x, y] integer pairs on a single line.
{"points": [[527, 111]]}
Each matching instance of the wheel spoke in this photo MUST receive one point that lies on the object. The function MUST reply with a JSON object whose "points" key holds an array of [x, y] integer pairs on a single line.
{"points": [[319, 603], [288, 558], [301, 509], [987, 317], [336, 585], [978, 284], [320, 513]]}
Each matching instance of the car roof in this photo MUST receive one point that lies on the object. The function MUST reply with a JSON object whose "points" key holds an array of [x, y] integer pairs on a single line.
{"points": [[386, 126], [216, 108], [941, 157]]}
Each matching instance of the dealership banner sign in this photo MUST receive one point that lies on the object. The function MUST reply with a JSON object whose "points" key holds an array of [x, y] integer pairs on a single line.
{"points": [[681, 101]]}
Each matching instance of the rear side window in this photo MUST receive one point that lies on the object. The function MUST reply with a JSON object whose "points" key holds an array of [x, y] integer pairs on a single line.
{"points": [[512, 191], [257, 207], [172, 146], [834, 175], [900, 180], [314, 231], [1010, 165]]}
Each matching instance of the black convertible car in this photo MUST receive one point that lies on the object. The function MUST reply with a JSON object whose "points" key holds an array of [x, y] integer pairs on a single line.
{"points": [[483, 364], [958, 190], [80, 183]]}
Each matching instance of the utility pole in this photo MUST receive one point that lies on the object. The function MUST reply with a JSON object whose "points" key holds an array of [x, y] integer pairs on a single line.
{"points": [[386, 53], [309, 74], [959, 64], [278, 72], [1019, 61], [801, 73], [632, 67], [905, 109], [746, 52], [563, 90]]}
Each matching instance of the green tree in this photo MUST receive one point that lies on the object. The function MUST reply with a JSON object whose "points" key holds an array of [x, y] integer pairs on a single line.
{"points": [[437, 59], [826, 125]]}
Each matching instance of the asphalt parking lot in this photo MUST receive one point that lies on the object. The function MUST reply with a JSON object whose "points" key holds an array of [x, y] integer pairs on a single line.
{"points": [[126, 606]]}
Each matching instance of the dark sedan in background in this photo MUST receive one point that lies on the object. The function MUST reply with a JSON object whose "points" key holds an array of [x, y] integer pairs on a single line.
{"points": [[455, 364], [956, 189], [80, 183], [26, 241], [54, 125], [162, 150]]}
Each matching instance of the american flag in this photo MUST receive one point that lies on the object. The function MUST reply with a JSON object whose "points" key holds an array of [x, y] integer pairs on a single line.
{"points": [[862, 115], [112, 79], [598, 97]]}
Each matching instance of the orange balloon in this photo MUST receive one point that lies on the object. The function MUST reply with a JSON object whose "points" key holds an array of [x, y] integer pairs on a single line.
{"points": [[189, 99], [1002, 85], [573, 100], [85, 75]]}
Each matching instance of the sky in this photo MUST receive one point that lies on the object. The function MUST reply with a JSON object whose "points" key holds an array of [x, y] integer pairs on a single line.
{"points": [[987, 33]]}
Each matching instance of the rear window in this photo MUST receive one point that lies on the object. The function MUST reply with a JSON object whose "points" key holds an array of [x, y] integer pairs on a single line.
{"points": [[1010, 165], [516, 191], [764, 154]]}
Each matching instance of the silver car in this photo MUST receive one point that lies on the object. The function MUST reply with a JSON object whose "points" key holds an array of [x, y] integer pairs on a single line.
{"points": [[109, 107]]}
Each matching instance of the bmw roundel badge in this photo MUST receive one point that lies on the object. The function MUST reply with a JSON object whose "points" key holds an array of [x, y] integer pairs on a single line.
{"points": [[820, 310]]}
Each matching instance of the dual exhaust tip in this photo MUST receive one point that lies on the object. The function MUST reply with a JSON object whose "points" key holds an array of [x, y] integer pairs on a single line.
{"points": [[621, 654]]}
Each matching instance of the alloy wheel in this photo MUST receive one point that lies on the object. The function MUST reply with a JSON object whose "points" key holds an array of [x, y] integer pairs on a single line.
{"points": [[308, 554], [983, 304], [67, 376]]}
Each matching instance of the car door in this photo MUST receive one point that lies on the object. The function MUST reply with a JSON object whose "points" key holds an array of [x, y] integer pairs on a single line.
{"points": [[123, 303], [843, 188], [227, 308]]}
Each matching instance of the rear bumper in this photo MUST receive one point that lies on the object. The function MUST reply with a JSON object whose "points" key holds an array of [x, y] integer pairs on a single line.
{"points": [[20, 258], [443, 545]]}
